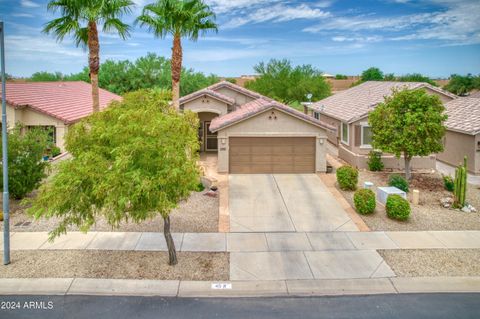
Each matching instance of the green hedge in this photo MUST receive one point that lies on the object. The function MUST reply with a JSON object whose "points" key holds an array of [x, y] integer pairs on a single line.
{"points": [[347, 177], [364, 200], [399, 182], [397, 207]]}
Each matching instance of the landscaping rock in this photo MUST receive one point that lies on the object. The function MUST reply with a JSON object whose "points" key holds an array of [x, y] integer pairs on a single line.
{"points": [[446, 202], [211, 193], [469, 209]]}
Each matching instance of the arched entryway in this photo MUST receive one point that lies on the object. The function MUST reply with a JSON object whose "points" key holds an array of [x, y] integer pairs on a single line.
{"points": [[208, 139]]}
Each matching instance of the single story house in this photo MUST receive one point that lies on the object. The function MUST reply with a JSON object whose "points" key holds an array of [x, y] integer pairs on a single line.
{"points": [[348, 112], [254, 134], [52, 105], [463, 133]]}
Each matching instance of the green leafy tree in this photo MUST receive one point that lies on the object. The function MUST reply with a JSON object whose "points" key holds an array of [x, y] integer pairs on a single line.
{"points": [[416, 77], [372, 74], [80, 18], [461, 85], [44, 76], [178, 18], [131, 162], [147, 72], [341, 77], [281, 81], [390, 77], [409, 123], [26, 168]]}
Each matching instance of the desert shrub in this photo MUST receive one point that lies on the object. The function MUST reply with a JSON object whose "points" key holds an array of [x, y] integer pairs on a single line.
{"points": [[397, 207], [200, 187], [25, 167], [364, 200], [448, 183], [375, 163], [55, 150], [399, 182], [347, 177]]}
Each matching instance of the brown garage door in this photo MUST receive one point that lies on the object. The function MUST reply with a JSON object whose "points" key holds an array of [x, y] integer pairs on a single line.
{"points": [[264, 155]]}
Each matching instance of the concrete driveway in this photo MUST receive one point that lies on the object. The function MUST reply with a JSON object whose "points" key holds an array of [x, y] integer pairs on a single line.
{"points": [[284, 202]]}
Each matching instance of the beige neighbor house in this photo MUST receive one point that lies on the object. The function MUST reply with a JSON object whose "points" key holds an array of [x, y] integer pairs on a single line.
{"points": [[463, 133], [52, 105], [348, 112], [253, 134]]}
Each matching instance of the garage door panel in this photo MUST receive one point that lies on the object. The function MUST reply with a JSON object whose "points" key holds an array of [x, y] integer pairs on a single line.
{"points": [[257, 155]]}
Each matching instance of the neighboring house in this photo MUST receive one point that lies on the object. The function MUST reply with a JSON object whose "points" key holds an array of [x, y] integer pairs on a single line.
{"points": [[463, 133], [52, 105], [348, 112], [255, 134]]}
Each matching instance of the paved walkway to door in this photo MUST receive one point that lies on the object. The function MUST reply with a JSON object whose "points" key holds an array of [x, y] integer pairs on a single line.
{"points": [[284, 203]]}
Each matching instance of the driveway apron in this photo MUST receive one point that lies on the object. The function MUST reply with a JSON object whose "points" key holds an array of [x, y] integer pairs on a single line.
{"points": [[284, 202]]}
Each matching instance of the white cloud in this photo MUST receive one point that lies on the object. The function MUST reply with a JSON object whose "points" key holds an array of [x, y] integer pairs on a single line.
{"points": [[29, 4], [367, 39], [22, 15], [457, 23], [227, 6], [277, 13], [39, 47]]}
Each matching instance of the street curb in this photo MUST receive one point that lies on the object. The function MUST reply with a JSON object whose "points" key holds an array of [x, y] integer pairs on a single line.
{"points": [[198, 289]]}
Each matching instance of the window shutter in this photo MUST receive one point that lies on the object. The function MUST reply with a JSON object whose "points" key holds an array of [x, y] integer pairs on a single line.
{"points": [[358, 135]]}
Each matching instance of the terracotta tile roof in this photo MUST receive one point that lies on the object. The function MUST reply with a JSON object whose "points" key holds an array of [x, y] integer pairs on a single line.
{"points": [[464, 115], [257, 106], [355, 103], [209, 92], [237, 88], [66, 101]]}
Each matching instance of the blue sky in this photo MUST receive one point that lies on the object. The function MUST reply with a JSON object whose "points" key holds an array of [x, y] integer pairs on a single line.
{"points": [[433, 37]]}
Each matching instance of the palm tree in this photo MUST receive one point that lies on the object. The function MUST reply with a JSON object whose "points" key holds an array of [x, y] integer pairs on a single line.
{"points": [[178, 18], [80, 18]]}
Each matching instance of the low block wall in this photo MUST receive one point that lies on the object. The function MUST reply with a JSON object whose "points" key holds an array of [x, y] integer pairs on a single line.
{"points": [[390, 162]]}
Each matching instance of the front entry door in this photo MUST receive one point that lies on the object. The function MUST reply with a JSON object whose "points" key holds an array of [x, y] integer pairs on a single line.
{"points": [[211, 142]]}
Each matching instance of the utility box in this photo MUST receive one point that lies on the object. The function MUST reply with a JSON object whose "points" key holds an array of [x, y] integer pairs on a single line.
{"points": [[384, 192]]}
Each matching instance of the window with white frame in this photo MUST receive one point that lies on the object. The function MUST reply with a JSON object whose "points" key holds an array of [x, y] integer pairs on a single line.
{"points": [[344, 133], [366, 135], [316, 115]]}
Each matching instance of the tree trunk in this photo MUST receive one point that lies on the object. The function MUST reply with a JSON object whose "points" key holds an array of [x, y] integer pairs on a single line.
{"points": [[94, 62], [176, 70], [408, 159], [172, 253]]}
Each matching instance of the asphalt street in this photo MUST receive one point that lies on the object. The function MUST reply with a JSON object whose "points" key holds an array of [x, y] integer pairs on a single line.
{"points": [[438, 306]]}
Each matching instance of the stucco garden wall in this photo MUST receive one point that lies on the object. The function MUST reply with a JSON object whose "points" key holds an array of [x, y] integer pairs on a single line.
{"points": [[261, 125], [390, 162]]}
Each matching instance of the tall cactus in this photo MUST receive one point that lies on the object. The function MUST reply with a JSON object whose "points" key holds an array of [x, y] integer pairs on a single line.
{"points": [[460, 191]]}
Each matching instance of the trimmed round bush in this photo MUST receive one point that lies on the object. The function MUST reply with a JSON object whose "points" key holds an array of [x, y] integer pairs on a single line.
{"points": [[399, 182], [364, 200], [347, 178], [397, 207]]}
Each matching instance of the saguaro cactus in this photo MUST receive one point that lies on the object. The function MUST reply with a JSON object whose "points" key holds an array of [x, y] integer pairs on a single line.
{"points": [[460, 190]]}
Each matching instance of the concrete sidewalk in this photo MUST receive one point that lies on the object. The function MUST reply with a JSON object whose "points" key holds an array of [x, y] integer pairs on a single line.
{"points": [[126, 287], [250, 242]]}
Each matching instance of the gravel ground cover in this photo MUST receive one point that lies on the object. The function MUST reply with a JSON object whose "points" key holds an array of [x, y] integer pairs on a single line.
{"points": [[433, 262], [116, 265], [199, 214], [429, 214]]}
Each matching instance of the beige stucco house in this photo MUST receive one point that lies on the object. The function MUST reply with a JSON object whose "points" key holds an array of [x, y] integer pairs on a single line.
{"points": [[255, 134], [463, 133], [52, 105], [348, 112]]}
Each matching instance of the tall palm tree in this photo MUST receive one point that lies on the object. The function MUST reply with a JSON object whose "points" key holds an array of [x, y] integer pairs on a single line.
{"points": [[80, 18], [178, 18]]}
